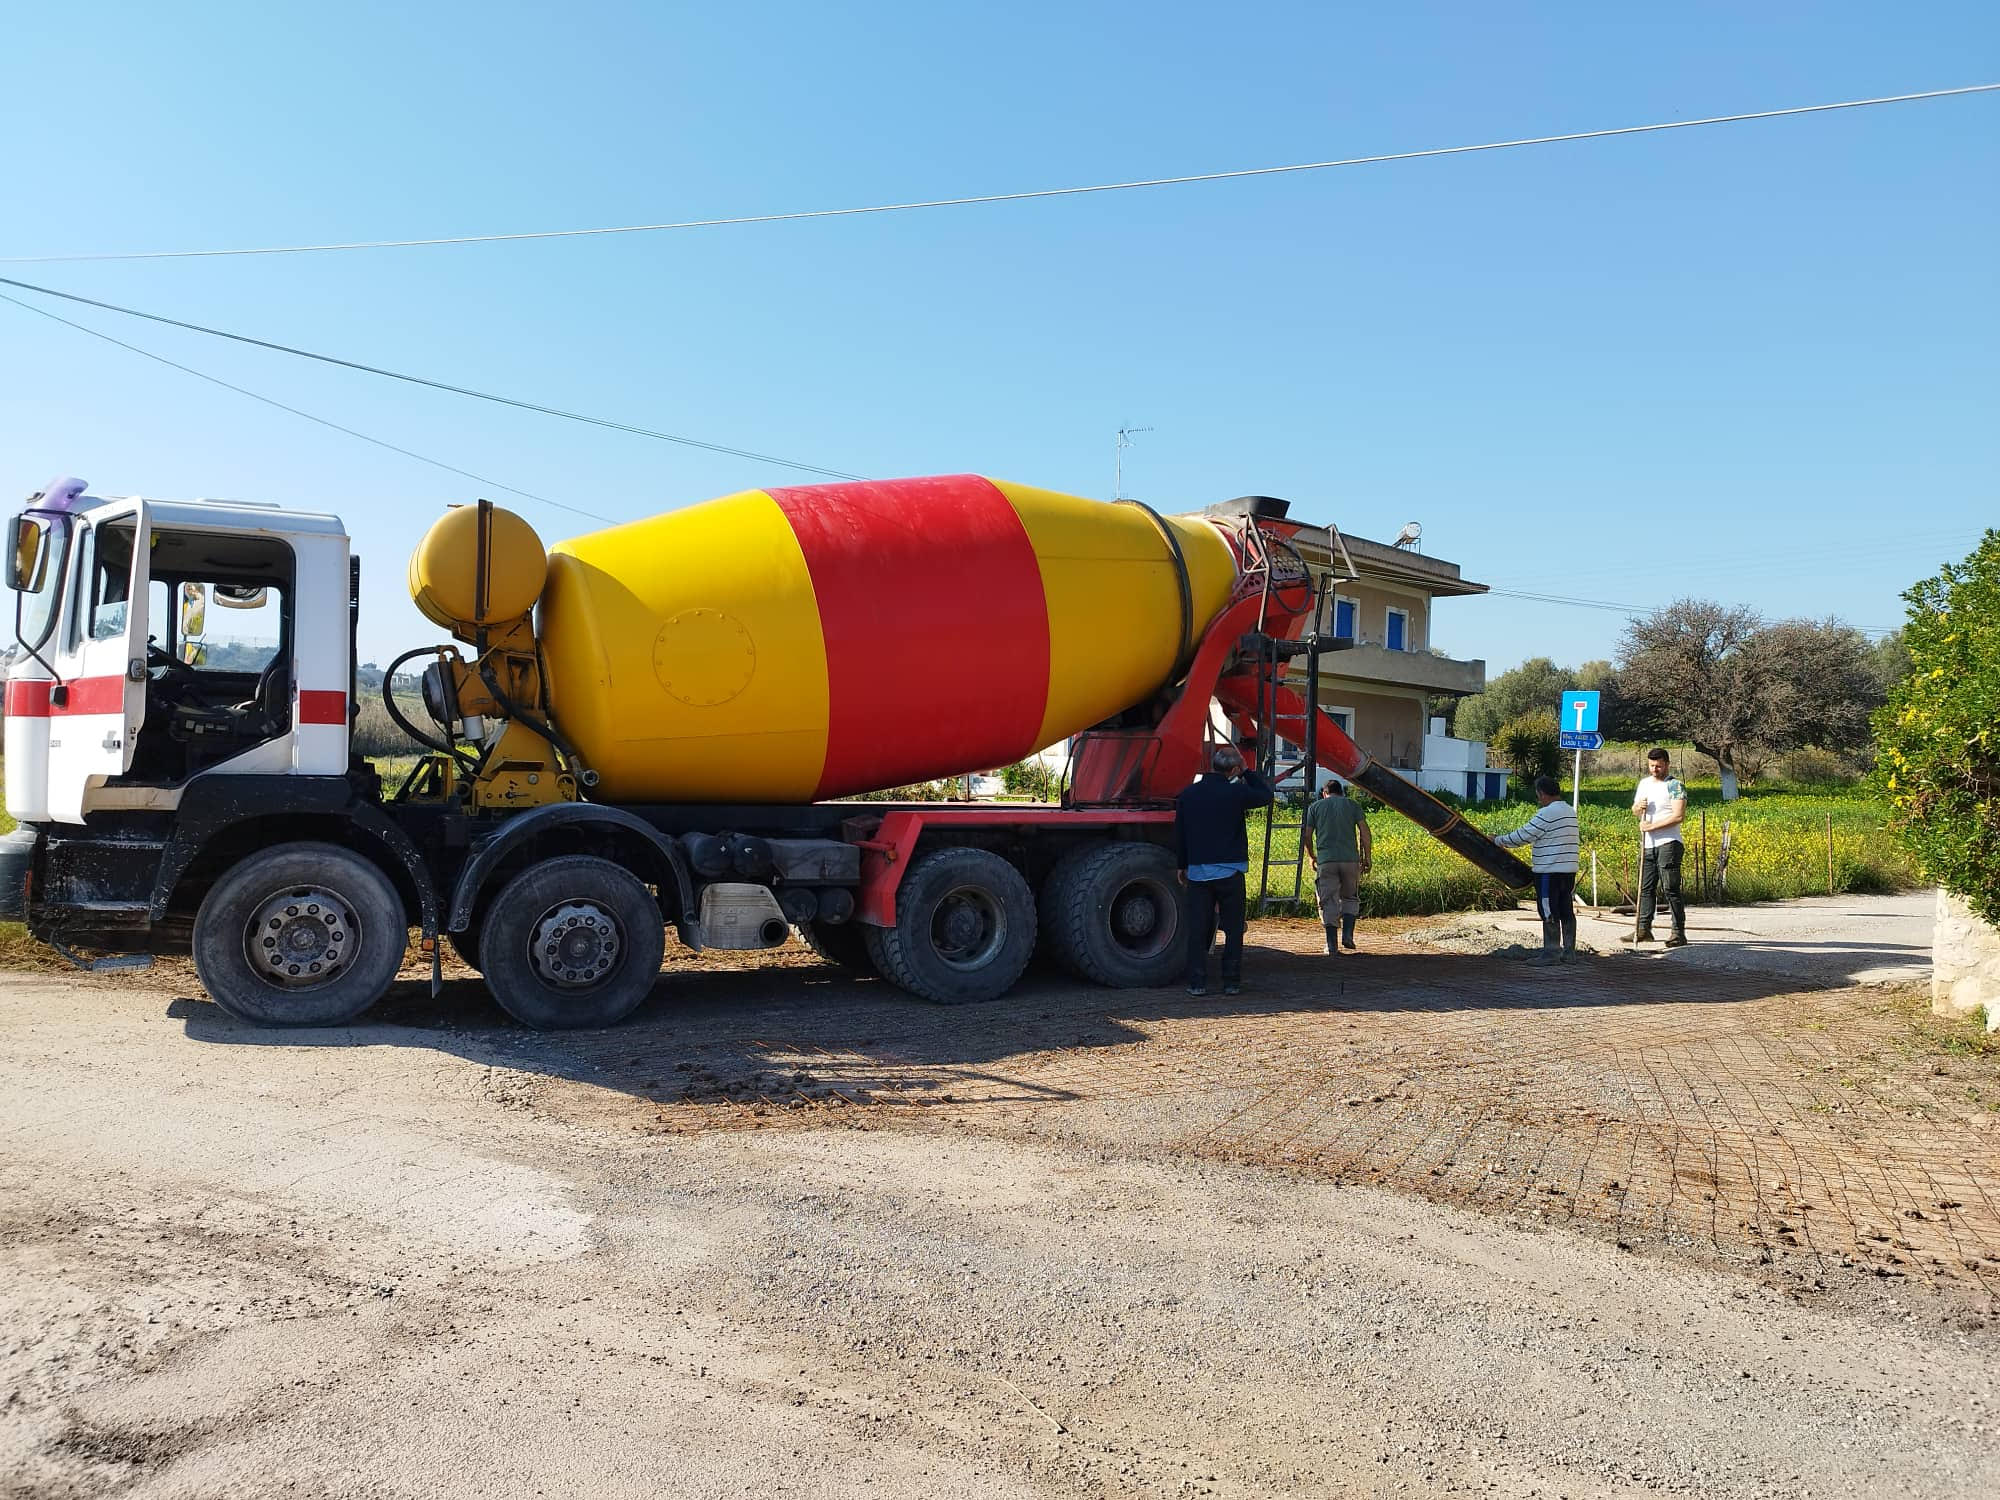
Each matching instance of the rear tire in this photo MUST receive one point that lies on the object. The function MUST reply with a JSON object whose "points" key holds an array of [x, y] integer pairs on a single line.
{"points": [[572, 942], [1112, 913], [304, 934], [843, 944], [965, 928], [466, 945]]}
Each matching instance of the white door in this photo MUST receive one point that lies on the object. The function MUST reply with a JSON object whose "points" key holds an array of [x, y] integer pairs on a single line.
{"points": [[95, 714]]}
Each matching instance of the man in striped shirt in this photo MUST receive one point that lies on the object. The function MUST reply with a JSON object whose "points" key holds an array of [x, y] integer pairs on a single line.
{"points": [[1553, 833]]}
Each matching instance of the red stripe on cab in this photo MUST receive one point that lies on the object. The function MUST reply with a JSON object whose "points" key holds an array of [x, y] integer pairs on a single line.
{"points": [[936, 629], [80, 695], [27, 700], [322, 706]]}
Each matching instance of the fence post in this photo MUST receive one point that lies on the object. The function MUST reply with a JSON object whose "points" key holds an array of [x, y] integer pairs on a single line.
{"points": [[1701, 864], [1829, 854]]}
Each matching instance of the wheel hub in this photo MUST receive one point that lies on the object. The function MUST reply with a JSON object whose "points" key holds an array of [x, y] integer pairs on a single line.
{"points": [[968, 927], [302, 937], [1142, 917], [575, 944], [1136, 915]]}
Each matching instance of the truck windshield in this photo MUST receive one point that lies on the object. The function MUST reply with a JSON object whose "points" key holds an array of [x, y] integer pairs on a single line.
{"points": [[39, 599]]}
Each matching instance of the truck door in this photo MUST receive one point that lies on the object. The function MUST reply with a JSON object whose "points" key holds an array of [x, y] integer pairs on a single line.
{"points": [[96, 711]]}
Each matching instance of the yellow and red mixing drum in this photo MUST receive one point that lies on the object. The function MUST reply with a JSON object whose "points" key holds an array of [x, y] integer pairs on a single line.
{"points": [[788, 644]]}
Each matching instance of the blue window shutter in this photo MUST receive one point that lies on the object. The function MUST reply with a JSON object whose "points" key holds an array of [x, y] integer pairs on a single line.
{"points": [[1343, 618], [1396, 624]]}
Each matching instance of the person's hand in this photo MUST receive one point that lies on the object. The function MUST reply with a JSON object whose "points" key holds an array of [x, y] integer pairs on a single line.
{"points": [[1367, 865]]}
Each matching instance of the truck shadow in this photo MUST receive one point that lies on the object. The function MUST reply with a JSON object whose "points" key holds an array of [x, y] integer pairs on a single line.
{"points": [[780, 1037]]}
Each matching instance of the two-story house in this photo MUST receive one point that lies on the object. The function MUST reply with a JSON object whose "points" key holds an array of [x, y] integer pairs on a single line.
{"points": [[1376, 687]]}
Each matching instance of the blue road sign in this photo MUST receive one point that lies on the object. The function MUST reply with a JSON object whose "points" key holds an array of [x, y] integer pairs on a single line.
{"points": [[1571, 740], [1579, 713]]}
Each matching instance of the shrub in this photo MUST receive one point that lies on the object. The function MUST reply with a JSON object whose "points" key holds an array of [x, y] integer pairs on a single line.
{"points": [[375, 733], [1939, 733], [1030, 778], [1811, 766], [1528, 747]]}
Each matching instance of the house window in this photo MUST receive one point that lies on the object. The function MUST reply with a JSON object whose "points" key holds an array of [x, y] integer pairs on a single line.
{"points": [[1343, 618], [1399, 630]]}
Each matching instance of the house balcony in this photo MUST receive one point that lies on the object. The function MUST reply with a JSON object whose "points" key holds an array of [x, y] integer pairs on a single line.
{"points": [[1367, 662]]}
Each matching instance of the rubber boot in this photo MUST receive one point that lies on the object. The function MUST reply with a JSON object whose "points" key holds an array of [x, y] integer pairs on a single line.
{"points": [[1347, 931], [1569, 939], [1551, 953], [1678, 938], [1332, 939]]}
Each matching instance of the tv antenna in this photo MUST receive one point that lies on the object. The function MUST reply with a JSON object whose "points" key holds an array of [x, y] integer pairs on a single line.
{"points": [[1125, 436]]}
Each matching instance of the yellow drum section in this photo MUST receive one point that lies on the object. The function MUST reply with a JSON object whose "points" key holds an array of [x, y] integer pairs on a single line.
{"points": [[683, 656], [1114, 601]]}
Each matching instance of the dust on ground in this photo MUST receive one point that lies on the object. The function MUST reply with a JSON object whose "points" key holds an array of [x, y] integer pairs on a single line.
{"points": [[1409, 1221]]}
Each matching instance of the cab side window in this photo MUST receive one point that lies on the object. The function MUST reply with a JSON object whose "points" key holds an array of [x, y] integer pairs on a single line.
{"points": [[107, 564]]}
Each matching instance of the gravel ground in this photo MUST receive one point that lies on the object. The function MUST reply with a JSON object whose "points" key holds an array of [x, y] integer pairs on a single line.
{"points": [[437, 1256]]}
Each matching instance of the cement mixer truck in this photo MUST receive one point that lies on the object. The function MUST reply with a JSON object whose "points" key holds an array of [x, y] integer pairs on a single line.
{"points": [[651, 726]]}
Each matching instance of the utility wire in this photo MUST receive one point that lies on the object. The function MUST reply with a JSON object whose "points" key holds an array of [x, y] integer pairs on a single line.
{"points": [[1019, 197], [436, 385], [422, 458]]}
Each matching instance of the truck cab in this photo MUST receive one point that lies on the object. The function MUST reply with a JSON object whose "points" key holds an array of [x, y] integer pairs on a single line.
{"points": [[160, 642]]}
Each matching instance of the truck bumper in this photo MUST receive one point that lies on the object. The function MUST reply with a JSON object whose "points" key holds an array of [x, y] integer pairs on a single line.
{"points": [[17, 857]]}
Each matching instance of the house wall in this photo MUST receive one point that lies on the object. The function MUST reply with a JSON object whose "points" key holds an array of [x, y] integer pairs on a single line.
{"points": [[1374, 600], [1389, 726]]}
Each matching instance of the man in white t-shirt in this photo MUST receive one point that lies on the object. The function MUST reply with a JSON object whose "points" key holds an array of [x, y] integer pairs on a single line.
{"points": [[1661, 803]]}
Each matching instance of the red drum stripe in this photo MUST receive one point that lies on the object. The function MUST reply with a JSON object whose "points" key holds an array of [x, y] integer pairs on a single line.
{"points": [[937, 634]]}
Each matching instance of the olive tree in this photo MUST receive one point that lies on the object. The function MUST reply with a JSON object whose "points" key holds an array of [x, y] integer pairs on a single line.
{"points": [[1694, 671]]}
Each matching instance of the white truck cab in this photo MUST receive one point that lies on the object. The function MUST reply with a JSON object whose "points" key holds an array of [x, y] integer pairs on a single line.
{"points": [[161, 641]]}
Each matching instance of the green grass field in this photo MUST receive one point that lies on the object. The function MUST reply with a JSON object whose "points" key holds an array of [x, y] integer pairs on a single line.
{"points": [[1778, 848]]}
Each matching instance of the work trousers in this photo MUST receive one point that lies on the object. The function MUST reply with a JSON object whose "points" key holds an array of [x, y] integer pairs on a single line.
{"points": [[1660, 878], [1337, 883], [1212, 903], [1555, 898]]}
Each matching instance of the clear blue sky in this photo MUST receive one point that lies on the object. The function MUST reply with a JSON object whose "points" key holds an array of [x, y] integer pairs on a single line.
{"points": [[1754, 362]]}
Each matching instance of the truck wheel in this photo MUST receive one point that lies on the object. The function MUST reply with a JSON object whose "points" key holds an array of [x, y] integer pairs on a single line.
{"points": [[841, 943], [301, 934], [965, 928], [1052, 904], [574, 942], [1112, 913]]}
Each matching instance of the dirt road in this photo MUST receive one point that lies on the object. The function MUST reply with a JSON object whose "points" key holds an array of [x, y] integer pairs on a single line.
{"points": [[791, 1234]]}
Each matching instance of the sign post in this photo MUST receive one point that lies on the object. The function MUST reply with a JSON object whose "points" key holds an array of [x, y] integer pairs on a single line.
{"points": [[1577, 723]]}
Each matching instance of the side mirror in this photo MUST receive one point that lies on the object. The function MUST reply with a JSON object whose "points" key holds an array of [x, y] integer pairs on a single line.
{"points": [[240, 595], [27, 558], [194, 611]]}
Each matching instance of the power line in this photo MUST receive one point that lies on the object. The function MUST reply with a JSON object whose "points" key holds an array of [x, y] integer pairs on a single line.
{"points": [[1017, 197], [436, 385], [422, 458]]}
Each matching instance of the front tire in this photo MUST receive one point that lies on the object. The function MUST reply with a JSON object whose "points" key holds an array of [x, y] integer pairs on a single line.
{"points": [[304, 934], [573, 942], [965, 928]]}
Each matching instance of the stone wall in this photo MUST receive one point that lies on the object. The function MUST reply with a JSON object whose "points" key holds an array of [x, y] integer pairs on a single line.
{"points": [[1965, 963]]}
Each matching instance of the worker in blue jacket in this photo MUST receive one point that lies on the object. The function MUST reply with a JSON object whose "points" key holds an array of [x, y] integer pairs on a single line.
{"points": [[1214, 856]]}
